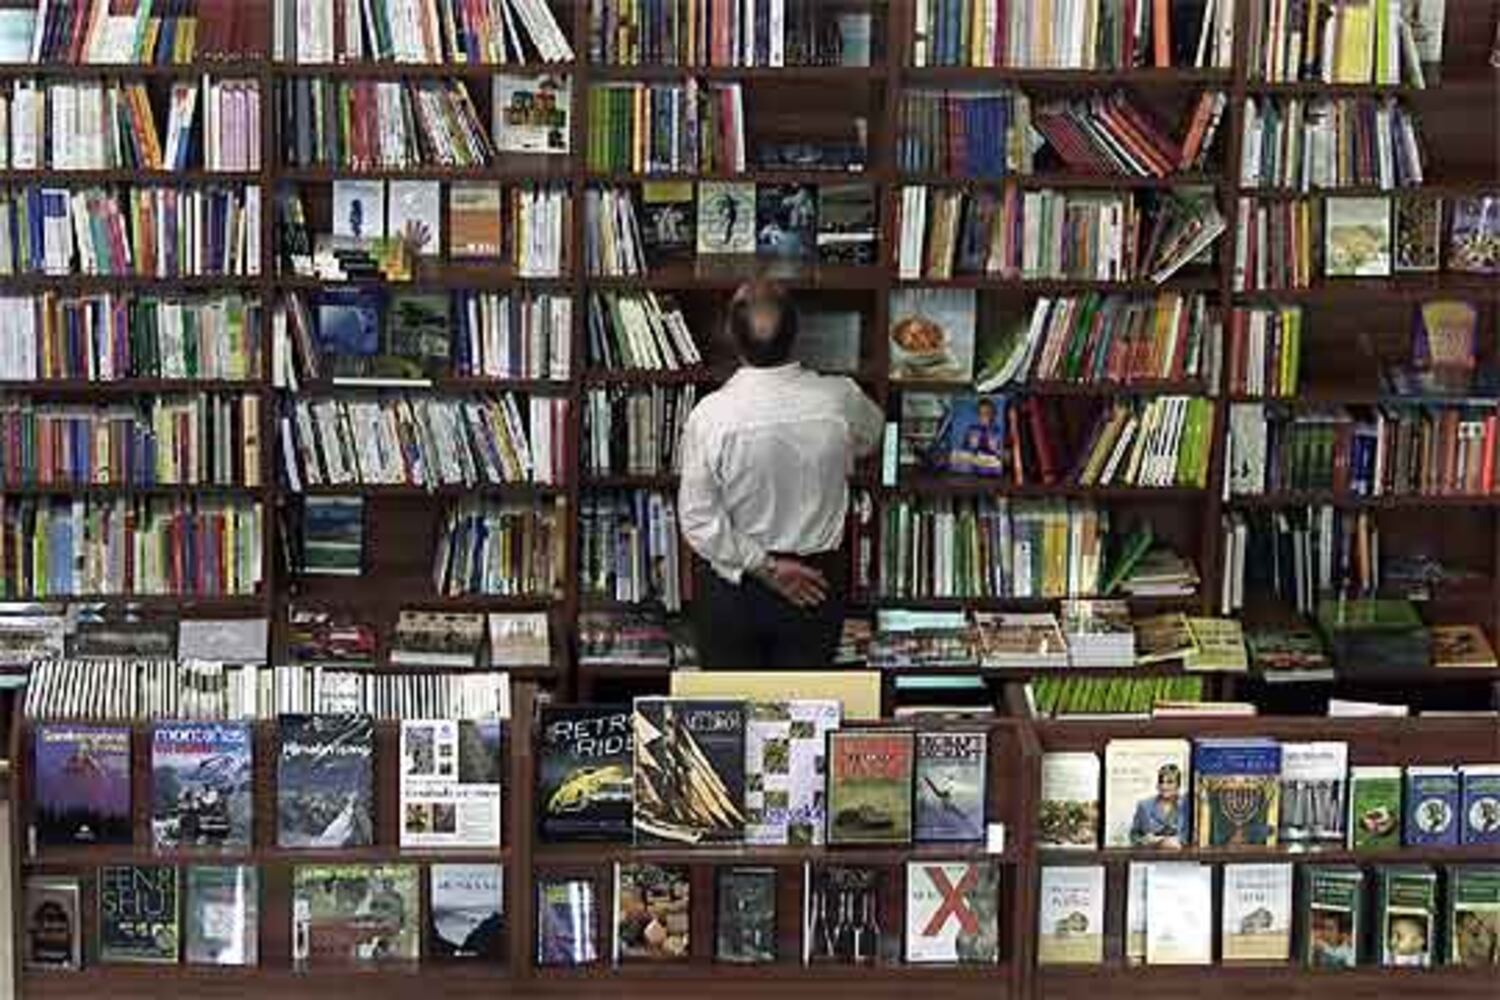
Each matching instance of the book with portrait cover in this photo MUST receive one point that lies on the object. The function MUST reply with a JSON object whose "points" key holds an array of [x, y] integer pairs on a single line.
{"points": [[566, 921], [139, 915], [785, 770], [325, 781], [355, 914], [52, 934], [584, 788], [201, 794], [1406, 915], [952, 912], [1070, 915], [223, 915], [450, 783], [1479, 804], [950, 786], [1331, 914], [466, 912], [870, 774], [1256, 919], [1432, 803], [1146, 793], [653, 912], [82, 784], [745, 928], [689, 770], [1238, 792], [1472, 915]]}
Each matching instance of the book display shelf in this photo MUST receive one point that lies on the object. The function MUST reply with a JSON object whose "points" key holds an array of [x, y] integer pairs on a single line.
{"points": [[898, 139]]}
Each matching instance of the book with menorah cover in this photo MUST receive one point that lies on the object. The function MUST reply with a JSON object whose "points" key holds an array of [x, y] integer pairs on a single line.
{"points": [[1238, 795]]}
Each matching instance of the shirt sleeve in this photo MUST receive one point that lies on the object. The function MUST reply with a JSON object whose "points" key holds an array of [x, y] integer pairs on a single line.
{"points": [[866, 419], [701, 514]]}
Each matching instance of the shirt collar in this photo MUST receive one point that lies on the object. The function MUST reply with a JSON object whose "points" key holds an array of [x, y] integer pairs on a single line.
{"points": [[752, 372]]}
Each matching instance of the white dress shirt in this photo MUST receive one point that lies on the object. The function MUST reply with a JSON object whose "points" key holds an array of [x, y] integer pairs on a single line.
{"points": [[765, 465]]}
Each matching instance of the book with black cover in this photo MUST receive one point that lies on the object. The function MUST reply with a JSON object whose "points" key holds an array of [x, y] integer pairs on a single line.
{"points": [[689, 770], [325, 781], [138, 914], [745, 928], [584, 773], [786, 217]]}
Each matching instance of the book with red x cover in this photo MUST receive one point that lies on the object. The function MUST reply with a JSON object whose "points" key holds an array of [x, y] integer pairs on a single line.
{"points": [[952, 912]]}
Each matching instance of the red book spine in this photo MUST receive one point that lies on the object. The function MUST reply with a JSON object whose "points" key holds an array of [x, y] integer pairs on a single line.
{"points": [[1041, 440]]}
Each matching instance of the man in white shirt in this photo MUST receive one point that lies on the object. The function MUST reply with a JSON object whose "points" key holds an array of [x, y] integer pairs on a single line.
{"points": [[765, 492]]}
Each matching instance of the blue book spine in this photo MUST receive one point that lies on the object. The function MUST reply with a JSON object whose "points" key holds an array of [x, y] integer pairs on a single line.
{"points": [[1479, 821]]}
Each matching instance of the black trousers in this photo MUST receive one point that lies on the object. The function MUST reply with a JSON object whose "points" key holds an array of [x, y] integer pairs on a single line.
{"points": [[749, 625]]}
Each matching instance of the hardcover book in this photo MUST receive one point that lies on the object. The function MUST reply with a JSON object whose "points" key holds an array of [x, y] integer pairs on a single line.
{"points": [[843, 919], [1473, 916], [1461, 647], [1406, 922], [951, 786], [689, 770], [566, 921], [82, 784], [325, 781], [952, 912], [1238, 792], [1070, 916], [1357, 237], [333, 536], [1479, 809], [870, 786], [786, 220], [419, 338], [785, 771], [223, 915], [745, 928], [584, 773], [1179, 913], [653, 912], [1069, 812], [466, 912], [201, 784], [1256, 920], [138, 914], [1432, 803], [52, 934], [450, 783], [932, 334], [1332, 915], [1146, 800], [359, 914], [726, 218], [1374, 808], [669, 219], [1313, 811]]}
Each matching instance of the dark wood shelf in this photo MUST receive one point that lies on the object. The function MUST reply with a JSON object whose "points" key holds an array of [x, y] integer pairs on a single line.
{"points": [[1179, 282], [732, 271], [93, 856], [534, 491], [1066, 179], [979, 486], [128, 386], [839, 75], [445, 384], [1360, 291], [452, 276], [1022, 604], [650, 376], [1096, 79], [1047, 387], [126, 492], [508, 168], [1319, 498], [86, 283], [559, 855], [223, 68], [1475, 853], [136, 177], [387, 70]]}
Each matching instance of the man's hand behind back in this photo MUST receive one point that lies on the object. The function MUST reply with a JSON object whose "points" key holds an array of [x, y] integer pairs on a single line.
{"points": [[794, 580]]}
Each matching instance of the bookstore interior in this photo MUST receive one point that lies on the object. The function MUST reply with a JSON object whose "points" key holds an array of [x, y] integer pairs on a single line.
{"points": [[347, 624]]}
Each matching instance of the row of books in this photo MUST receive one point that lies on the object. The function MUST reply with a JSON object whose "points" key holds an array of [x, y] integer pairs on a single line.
{"points": [[638, 330], [113, 337], [1380, 451], [1074, 34], [1330, 143], [137, 687], [209, 915], [315, 32], [666, 127], [1076, 694], [966, 133], [158, 232], [331, 691], [506, 550], [1095, 236], [775, 33], [1297, 556], [1383, 42], [425, 441], [1264, 353], [381, 124], [421, 638], [635, 432], [198, 440], [1169, 915], [630, 550], [73, 32], [1113, 135], [640, 637], [83, 547]]}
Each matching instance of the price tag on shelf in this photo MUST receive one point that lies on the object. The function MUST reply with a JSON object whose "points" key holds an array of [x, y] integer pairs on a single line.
{"points": [[994, 842]]}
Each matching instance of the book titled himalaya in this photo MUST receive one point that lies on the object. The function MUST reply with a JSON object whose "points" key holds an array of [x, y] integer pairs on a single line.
{"points": [[450, 783], [950, 784], [465, 912], [689, 770], [745, 928], [360, 914], [223, 907], [584, 773], [138, 914], [784, 770], [1238, 792], [1432, 801], [325, 781], [870, 786], [952, 912], [82, 784], [201, 792]]}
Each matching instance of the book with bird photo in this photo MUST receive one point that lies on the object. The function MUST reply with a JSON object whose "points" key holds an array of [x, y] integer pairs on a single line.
{"points": [[950, 786], [870, 786], [689, 775]]}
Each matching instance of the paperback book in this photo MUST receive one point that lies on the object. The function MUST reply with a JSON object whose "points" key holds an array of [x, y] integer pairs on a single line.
{"points": [[1432, 804], [1256, 923], [1070, 915], [1332, 913], [1313, 812], [82, 784], [785, 771], [51, 928], [726, 218], [584, 787], [1179, 913], [952, 912], [1238, 792], [201, 784], [932, 334], [139, 914], [1068, 816], [843, 919], [1479, 810], [870, 786], [653, 912], [223, 915], [355, 914], [951, 785], [786, 218], [745, 928], [1374, 807], [325, 781], [450, 783], [1473, 916], [689, 770], [566, 922], [1406, 915], [466, 912], [1146, 799]]}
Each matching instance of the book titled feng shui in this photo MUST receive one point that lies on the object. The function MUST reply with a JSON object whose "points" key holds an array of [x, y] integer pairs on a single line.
{"points": [[1333, 915], [1070, 915], [952, 912], [138, 914], [950, 785], [1256, 919], [1374, 808], [1069, 813], [82, 784], [355, 914], [689, 770], [784, 770], [450, 783], [325, 781], [465, 912], [584, 773], [1406, 915], [1479, 811], [201, 794], [745, 925], [653, 912], [1432, 801], [1473, 916], [1238, 792], [223, 908], [870, 786]]}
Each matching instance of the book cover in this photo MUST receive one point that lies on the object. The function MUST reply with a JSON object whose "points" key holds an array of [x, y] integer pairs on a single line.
{"points": [[419, 337], [843, 918], [52, 934], [438, 638], [1179, 913], [1374, 808], [951, 786], [138, 914], [870, 786], [1461, 647], [689, 770], [785, 770], [653, 912], [1444, 336], [201, 784], [1357, 237], [1419, 229], [1474, 240], [223, 915], [1136, 874], [1479, 809], [846, 224], [1473, 916], [1221, 646], [416, 215], [1313, 811], [474, 220], [566, 922], [1238, 792], [1432, 804], [1256, 919], [1406, 915], [1146, 800], [333, 536], [786, 220], [1332, 915], [584, 786], [726, 217], [355, 914], [325, 781], [668, 221], [745, 926], [359, 210], [1070, 916], [828, 340], [1164, 637], [450, 783], [531, 113], [965, 435], [952, 912], [82, 784], [466, 912], [347, 324], [1068, 816], [932, 334]]}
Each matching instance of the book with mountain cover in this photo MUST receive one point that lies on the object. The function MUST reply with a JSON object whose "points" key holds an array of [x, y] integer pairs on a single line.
{"points": [[466, 912], [951, 786], [584, 783], [83, 793], [689, 770], [1238, 792], [952, 912], [870, 786], [325, 781], [201, 781]]}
